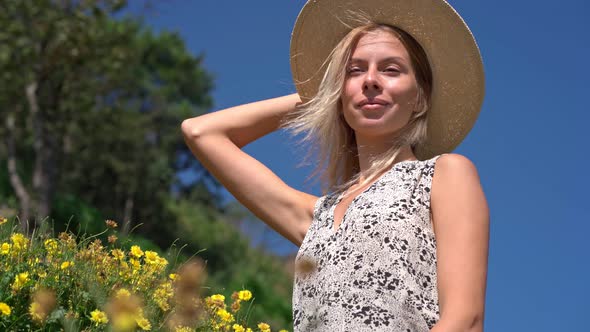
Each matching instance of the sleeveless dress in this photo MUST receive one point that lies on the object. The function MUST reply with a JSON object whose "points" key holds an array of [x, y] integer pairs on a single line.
{"points": [[377, 272]]}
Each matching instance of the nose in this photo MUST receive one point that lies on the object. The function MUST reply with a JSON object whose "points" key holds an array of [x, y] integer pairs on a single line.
{"points": [[371, 80]]}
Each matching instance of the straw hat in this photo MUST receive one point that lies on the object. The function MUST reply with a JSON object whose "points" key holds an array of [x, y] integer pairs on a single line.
{"points": [[457, 68]]}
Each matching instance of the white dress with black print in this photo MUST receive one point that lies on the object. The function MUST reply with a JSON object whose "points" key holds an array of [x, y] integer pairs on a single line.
{"points": [[377, 272]]}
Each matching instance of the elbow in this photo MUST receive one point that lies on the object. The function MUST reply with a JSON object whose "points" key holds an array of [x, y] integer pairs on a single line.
{"points": [[474, 324], [463, 323], [191, 129]]}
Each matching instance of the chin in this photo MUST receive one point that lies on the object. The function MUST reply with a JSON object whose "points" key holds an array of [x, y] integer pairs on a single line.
{"points": [[376, 129]]}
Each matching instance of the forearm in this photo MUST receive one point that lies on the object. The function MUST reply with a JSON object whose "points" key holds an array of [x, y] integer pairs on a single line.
{"points": [[245, 123]]}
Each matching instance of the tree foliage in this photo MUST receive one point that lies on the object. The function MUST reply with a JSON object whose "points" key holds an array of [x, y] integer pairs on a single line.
{"points": [[93, 106], [90, 110]]}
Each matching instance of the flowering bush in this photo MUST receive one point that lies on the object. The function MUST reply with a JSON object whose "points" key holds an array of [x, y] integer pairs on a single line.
{"points": [[78, 284]]}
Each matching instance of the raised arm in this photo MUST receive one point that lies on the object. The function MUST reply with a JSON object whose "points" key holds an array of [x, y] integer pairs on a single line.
{"points": [[216, 140], [461, 225]]}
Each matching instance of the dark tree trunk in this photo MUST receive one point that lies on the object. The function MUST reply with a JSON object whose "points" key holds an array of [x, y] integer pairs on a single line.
{"points": [[128, 213], [19, 187], [45, 147]]}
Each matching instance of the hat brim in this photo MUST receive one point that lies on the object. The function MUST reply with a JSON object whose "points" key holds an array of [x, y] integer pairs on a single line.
{"points": [[453, 54]]}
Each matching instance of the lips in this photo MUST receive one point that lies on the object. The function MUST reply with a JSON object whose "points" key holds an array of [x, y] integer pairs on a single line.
{"points": [[372, 103]]}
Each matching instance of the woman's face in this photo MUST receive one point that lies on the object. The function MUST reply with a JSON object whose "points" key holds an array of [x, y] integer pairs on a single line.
{"points": [[380, 89]]}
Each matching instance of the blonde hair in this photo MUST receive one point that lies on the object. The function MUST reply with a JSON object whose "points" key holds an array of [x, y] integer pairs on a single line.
{"points": [[320, 120]]}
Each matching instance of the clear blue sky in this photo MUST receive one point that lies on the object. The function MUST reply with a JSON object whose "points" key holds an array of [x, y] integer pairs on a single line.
{"points": [[530, 143]]}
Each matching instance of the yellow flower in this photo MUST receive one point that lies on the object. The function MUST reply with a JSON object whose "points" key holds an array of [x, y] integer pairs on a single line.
{"points": [[34, 311], [225, 316], [5, 249], [125, 312], [20, 280], [32, 262], [244, 295], [216, 326], [3, 220], [125, 272], [218, 297], [51, 246], [118, 254], [43, 304], [238, 328], [215, 301], [122, 294], [143, 323], [162, 294], [136, 251], [135, 264], [264, 327], [124, 322], [151, 257], [162, 262], [66, 265], [248, 330], [38, 312], [99, 317], [172, 276], [283, 330], [5, 309], [183, 329], [19, 241]]}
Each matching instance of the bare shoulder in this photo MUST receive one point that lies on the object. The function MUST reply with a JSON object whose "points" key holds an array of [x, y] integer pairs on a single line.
{"points": [[454, 163], [453, 169], [456, 183]]}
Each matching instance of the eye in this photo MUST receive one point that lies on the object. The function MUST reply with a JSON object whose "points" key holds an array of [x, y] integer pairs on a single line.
{"points": [[392, 70], [354, 70]]}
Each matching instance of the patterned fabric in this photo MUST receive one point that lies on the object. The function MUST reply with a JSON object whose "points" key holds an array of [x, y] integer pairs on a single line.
{"points": [[377, 272]]}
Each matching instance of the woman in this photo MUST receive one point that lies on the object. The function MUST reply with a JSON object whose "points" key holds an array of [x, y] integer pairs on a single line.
{"points": [[399, 242]]}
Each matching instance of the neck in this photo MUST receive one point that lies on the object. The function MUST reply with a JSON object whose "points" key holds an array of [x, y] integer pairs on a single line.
{"points": [[370, 149]]}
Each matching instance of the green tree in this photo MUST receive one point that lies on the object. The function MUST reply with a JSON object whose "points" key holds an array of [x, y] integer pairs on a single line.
{"points": [[136, 140], [92, 106], [49, 53]]}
